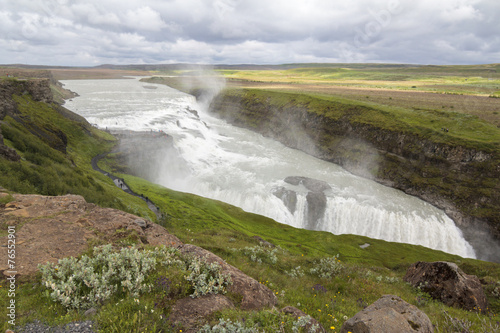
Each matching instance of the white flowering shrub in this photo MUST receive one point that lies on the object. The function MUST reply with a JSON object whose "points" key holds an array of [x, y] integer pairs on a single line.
{"points": [[388, 279], [259, 254], [83, 283], [226, 326], [327, 267], [302, 322], [496, 290], [295, 272], [381, 278], [207, 278]]}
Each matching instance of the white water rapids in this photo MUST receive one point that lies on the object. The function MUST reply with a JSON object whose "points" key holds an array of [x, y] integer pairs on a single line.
{"points": [[242, 168]]}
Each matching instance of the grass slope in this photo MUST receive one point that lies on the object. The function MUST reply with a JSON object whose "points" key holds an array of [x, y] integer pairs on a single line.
{"points": [[49, 171]]}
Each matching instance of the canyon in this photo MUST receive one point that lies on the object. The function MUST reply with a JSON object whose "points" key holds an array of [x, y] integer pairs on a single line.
{"points": [[458, 178]]}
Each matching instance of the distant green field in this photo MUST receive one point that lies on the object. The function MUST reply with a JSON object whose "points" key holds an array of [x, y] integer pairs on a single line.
{"points": [[471, 80], [463, 129]]}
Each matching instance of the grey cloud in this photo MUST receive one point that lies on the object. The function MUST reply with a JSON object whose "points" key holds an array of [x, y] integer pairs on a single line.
{"points": [[69, 32]]}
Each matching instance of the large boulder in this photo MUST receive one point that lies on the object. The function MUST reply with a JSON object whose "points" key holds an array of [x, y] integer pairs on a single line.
{"points": [[313, 185], [447, 283], [315, 198], [389, 314], [255, 295], [316, 207], [288, 197]]}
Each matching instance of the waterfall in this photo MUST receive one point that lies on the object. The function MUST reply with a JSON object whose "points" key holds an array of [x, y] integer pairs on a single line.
{"points": [[219, 161]]}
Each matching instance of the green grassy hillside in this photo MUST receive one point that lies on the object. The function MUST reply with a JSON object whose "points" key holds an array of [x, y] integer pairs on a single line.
{"points": [[56, 164]]}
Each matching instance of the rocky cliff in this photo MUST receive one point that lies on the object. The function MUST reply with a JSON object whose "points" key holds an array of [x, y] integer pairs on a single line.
{"points": [[38, 90], [459, 178]]}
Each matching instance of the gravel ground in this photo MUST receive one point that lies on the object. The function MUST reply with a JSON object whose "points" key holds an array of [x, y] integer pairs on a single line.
{"points": [[76, 327]]}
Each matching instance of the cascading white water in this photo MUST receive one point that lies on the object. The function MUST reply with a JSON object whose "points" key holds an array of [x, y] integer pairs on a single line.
{"points": [[237, 166]]}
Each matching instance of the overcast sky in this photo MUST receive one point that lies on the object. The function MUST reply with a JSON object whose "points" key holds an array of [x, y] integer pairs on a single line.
{"points": [[94, 32]]}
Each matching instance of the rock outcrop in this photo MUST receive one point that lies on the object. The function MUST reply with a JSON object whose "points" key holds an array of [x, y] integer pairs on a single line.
{"points": [[51, 228], [313, 185], [288, 197], [315, 198], [389, 314], [7, 152], [447, 283], [40, 91]]}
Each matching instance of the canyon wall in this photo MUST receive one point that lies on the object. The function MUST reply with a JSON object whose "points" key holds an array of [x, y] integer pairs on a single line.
{"points": [[458, 178]]}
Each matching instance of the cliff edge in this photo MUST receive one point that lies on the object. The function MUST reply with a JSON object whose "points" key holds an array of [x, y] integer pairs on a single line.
{"points": [[459, 177]]}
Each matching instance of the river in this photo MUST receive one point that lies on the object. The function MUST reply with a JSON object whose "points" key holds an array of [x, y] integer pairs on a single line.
{"points": [[220, 161]]}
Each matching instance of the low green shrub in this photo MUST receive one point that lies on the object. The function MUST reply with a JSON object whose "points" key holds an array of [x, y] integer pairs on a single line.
{"points": [[226, 325], [301, 324], [89, 281], [296, 272], [261, 254], [327, 267], [207, 278], [452, 324]]}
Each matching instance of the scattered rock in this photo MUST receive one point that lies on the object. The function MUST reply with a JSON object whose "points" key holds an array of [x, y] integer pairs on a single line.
{"points": [[447, 283], [298, 313], [313, 185], [389, 314], [316, 207], [365, 245], [264, 242], [255, 296], [141, 223], [190, 313], [8, 153], [90, 312], [288, 197]]}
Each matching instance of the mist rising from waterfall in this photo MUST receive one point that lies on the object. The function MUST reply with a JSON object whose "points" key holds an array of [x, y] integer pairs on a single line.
{"points": [[219, 161]]}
